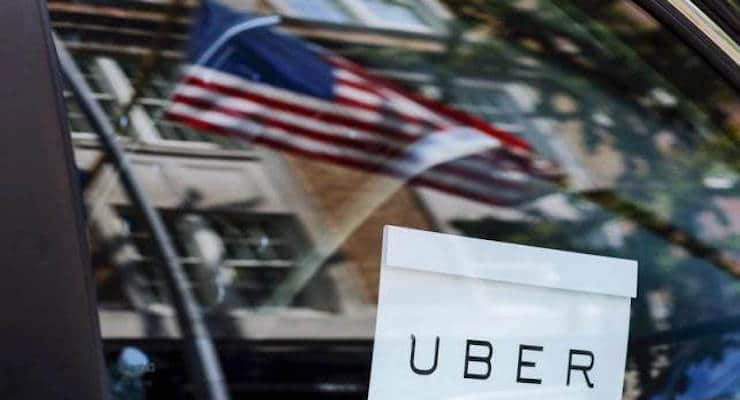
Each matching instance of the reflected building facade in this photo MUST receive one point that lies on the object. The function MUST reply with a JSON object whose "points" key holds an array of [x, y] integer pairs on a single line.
{"points": [[282, 249], [267, 210], [270, 210]]}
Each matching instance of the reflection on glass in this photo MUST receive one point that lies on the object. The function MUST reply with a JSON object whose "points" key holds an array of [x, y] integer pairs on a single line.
{"points": [[321, 10], [395, 12], [634, 154]]}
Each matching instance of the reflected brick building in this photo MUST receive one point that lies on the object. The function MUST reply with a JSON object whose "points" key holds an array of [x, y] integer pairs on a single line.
{"points": [[269, 209]]}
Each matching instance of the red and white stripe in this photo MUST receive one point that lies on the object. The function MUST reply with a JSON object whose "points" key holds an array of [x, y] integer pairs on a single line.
{"points": [[369, 125]]}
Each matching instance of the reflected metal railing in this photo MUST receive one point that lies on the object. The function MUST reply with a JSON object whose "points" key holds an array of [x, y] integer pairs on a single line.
{"points": [[203, 362]]}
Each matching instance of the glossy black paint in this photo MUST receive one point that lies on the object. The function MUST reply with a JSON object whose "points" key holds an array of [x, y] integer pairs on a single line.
{"points": [[50, 344]]}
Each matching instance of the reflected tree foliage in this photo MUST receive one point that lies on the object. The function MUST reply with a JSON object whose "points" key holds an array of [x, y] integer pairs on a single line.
{"points": [[675, 291], [658, 133]]}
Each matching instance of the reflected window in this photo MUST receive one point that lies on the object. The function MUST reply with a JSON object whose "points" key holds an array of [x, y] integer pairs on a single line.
{"points": [[78, 122], [396, 13], [322, 10], [254, 255]]}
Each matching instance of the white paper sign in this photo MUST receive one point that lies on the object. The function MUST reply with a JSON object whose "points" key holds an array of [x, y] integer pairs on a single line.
{"points": [[462, 318]]}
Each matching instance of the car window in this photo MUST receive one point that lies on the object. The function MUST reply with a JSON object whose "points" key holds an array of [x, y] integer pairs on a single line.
{"points": [[277, 155]]}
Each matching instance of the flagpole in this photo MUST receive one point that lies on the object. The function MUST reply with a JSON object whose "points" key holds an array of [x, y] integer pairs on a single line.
{"points": [[254, 23], [202, 359]]}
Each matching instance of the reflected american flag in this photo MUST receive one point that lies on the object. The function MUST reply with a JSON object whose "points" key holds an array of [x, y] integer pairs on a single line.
{"points": [[275, 90]]}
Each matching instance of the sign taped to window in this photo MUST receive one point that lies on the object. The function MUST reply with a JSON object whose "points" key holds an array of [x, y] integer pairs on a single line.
{"points": [[468, 318]]}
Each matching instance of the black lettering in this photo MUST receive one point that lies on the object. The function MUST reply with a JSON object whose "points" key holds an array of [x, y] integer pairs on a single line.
{"points": [[421, 371], [581, 368], [531, 364], [486, 359]]}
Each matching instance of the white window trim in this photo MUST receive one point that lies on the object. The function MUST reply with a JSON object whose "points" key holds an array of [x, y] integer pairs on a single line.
{"points": [[143, 127], [366, 15], [285, 9], [361, 15], [115, 80]]}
